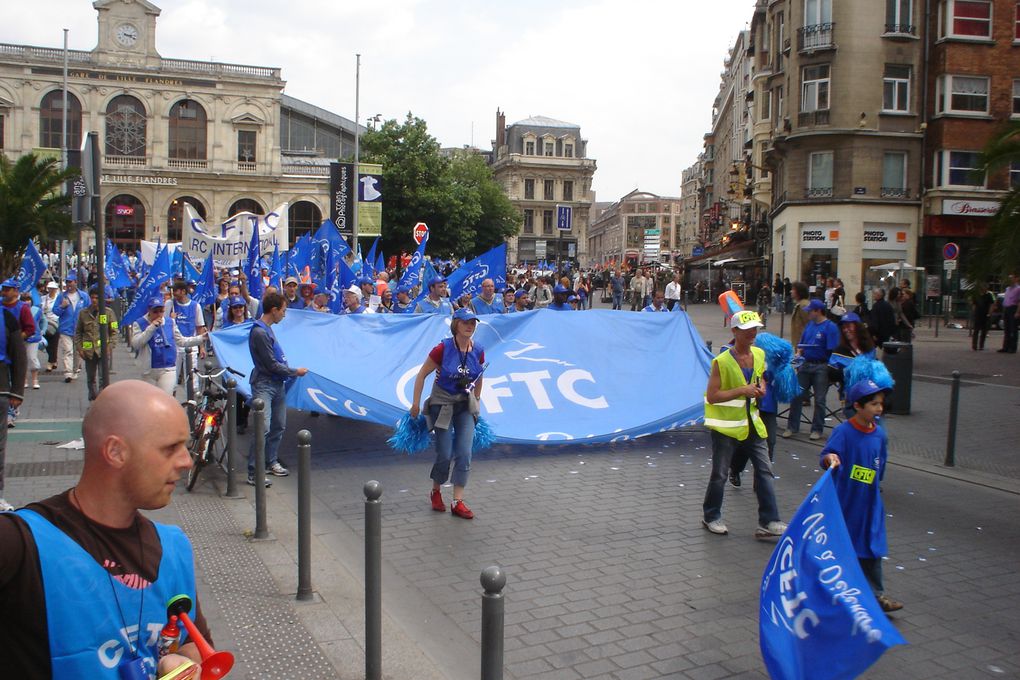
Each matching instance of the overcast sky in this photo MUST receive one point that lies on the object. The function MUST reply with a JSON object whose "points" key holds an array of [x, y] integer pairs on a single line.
{"points": [[638, 76]]}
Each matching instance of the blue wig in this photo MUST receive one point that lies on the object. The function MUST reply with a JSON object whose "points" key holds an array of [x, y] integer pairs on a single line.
{"points": [[865, 368], [778, 355]]}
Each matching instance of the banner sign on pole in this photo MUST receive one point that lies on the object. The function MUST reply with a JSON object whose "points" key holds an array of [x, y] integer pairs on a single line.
{"points": [[341, 194], [228, 242]]}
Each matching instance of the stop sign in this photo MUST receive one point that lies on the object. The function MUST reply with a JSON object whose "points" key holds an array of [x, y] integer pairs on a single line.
{"points": [[421, 232]]}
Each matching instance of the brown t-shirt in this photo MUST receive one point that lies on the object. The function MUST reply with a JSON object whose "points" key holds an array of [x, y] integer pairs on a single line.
{"points": [[24, 637]]}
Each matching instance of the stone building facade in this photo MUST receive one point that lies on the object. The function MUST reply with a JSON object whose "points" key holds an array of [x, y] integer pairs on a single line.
{"points": [[222, 137], [640, 227]]}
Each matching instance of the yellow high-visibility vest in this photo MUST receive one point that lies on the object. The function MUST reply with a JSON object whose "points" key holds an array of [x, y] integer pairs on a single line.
{"points": [[730, 417]]}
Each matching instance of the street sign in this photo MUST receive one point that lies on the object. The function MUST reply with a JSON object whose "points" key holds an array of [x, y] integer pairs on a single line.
{"points": [[950, 251], [698, 251], [564, 217], [421, 232], [949, 265], [540, 249]]}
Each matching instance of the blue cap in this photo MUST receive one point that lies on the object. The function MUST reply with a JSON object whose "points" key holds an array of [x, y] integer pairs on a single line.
{"points": [[438, 279], [815, 304], [9, 283], [364, 280], [560, 288], [237, 301], [71, 276], [519, 293], [157, 302], [850, 317], [406, 290], [464, 314], [864, 388]]}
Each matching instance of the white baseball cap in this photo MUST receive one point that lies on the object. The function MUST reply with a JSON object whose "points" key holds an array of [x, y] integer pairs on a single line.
{"points": [[746, 319], [53, 284]]}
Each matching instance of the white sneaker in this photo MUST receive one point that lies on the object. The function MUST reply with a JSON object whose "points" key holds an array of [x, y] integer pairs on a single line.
{"points": [[277, 470], [716, 526], [788, 433], [815, 436], [770, 530], [5, 506]]}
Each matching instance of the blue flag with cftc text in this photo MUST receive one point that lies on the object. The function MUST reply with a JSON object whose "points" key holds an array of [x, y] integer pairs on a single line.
{"points": [[819, 619]]}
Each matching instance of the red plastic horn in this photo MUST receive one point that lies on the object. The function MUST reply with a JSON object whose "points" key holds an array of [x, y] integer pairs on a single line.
{"points": [[215, 664]]}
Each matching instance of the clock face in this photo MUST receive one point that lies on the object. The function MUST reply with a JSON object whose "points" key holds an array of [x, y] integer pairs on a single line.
{"points": [[126, 35]]}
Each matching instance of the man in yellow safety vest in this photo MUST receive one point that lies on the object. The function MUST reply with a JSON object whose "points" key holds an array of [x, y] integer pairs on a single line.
{"points": [[731, 413]]}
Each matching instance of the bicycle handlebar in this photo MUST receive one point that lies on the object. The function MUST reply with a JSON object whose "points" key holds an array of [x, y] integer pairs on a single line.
{"points": [[213, 375]]}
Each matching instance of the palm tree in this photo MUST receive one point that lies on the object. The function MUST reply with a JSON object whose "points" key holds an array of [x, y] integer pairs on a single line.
{"points": [[31, 205], [998, 252]]}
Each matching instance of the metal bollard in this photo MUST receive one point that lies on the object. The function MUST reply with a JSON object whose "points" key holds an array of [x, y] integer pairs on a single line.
{"points": [[493, 580], [304, 517], [189, 388], [231, 385], [373, 581], [954, 408], [261, 530]]}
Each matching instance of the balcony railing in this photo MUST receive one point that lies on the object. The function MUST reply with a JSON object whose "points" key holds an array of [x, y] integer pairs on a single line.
{"points": [[806, 118], [818, 192], [128, 161], [816, 37], [187, 164], [895, 192], [901, 29], [245, 166]]}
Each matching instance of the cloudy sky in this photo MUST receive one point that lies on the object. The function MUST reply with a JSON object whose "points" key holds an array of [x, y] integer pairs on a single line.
{"points": [[638, 76]]}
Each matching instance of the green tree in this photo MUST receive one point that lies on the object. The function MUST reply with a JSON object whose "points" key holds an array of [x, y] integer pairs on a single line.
{"points": [[998, 252], [463, 206], [31, 204]]}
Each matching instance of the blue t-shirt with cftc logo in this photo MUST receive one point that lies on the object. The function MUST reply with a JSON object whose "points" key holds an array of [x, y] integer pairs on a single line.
{"points": [[818, 340], [862, 457]]}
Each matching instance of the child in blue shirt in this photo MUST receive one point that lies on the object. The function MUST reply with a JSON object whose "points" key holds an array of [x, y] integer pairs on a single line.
{"points": [[857, 450]]}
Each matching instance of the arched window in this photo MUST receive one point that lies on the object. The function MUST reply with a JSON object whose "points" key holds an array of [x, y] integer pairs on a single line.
{"points": [[125, 127], [125, 220], [187, 131], [246, 205], [303, 217], [175, 216], [51, 120]]}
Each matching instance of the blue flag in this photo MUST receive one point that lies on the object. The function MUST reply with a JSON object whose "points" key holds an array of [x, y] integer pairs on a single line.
{"points": [[819, 619], [115, 267], [412, 275], [177, 263], [31, 269], [276, 274], [469, 276], [325, 240], [188, 271], [205, 291], [380, 262], [370, 260], [149, 288], [253, 269], [428, 275]]}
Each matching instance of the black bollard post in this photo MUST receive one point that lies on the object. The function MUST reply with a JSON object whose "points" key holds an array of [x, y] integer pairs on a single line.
{"points": [[189, 388], [261, 530], [493, 580], [231, 426], [304, 518], [373, 581], [954, 407]]}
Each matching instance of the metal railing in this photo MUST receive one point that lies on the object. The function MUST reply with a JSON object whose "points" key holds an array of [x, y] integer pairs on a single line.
{"points": [[895, 192], [820, 117], [818, 192], [901, 29], [816, 37]]}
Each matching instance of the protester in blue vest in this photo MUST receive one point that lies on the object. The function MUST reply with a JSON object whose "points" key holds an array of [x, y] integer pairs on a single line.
{"points": [[92, 539], [508, 300], [559, 302], [352, 302], [452, 410], [658, 303], [403, 304], [187, 314], [858, 450], [817, 342], [156, 338], [487, 302], [436, 302], [67, 307], [33, 342], [237, 313], [521, 301], [269, 377], [12, 377]]}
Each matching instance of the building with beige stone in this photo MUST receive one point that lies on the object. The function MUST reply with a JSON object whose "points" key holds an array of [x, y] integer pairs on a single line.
{"points": [[222, 137], [542, 163], [640, 227]]}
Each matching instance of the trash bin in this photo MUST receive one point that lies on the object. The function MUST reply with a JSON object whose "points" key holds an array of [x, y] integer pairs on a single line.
{"points": [[898, 357]]}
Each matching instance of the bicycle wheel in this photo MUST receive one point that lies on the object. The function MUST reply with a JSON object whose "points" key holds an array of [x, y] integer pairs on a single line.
{"points": [[198, 459]]}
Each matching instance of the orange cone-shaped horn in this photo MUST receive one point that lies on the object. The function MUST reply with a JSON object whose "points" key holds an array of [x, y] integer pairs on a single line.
{"points": [[215, 664]]}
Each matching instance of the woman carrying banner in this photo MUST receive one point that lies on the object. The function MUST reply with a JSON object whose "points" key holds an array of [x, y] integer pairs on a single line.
{"points": [[451, 410]]}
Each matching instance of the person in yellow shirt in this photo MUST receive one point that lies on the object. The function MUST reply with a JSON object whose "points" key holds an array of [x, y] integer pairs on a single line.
{"points": [[87, 343]]}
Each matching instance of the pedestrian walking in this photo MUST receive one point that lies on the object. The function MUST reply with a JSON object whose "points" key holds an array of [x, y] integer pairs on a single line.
{"points": [[981, 308], [156, 338], [674, 292], [68, 305], [13, 366], [88, 342], [1011, 315], [819, 339], [52, 329], [616, 286]]}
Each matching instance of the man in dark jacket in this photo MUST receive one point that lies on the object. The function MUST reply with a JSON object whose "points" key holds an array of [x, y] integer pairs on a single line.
{"points": [[13, 364], [883, 320]]}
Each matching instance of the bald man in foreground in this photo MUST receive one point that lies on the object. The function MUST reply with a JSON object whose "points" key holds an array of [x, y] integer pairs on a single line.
{"points": [[79, 569]]}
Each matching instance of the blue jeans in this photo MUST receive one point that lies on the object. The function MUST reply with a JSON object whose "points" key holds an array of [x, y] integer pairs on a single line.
{"points": [[274, 394], [454, 443], [723, 450], [872, 568], [617, 299], [811, 376]]}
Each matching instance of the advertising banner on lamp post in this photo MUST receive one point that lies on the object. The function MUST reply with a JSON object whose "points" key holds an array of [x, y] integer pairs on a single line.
{"points": [[341, 198]]}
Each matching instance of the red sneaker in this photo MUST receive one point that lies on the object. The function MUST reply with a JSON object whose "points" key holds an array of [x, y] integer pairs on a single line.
{"points": [[461, 509], [437, 501]]}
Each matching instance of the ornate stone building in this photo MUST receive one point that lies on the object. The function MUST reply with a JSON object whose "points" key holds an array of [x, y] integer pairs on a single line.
{"points": [[640, 227], [222, 137], [542, 163]]}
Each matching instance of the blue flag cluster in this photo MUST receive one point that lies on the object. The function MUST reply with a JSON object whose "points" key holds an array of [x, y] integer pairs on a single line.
{"points": [[541, 385], [819, 619], [469, 276], [149, 287]]}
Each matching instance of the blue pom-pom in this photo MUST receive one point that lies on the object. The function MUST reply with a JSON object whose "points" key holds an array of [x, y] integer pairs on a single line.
{"points": [[411, 435], [866, 368], [484, 436], [785, 384], [778, 352]]}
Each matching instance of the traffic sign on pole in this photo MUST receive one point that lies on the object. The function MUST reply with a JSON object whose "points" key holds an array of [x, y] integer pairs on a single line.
{"points": [[421, 232], [950, 251], [564, 217]]}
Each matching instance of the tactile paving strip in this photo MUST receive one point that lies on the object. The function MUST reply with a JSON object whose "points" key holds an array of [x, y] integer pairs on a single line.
{"points": [[270, 639]]}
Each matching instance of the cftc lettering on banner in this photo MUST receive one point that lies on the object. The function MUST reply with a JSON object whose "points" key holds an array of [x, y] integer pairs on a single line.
{"points": [[342, 196], [228, 241]]}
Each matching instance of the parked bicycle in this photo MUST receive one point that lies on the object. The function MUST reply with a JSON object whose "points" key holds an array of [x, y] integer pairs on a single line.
{"points": [[206, 445]]}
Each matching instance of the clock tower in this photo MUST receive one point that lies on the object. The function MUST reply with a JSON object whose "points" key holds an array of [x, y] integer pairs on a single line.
{"points": [[127, 33]]}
